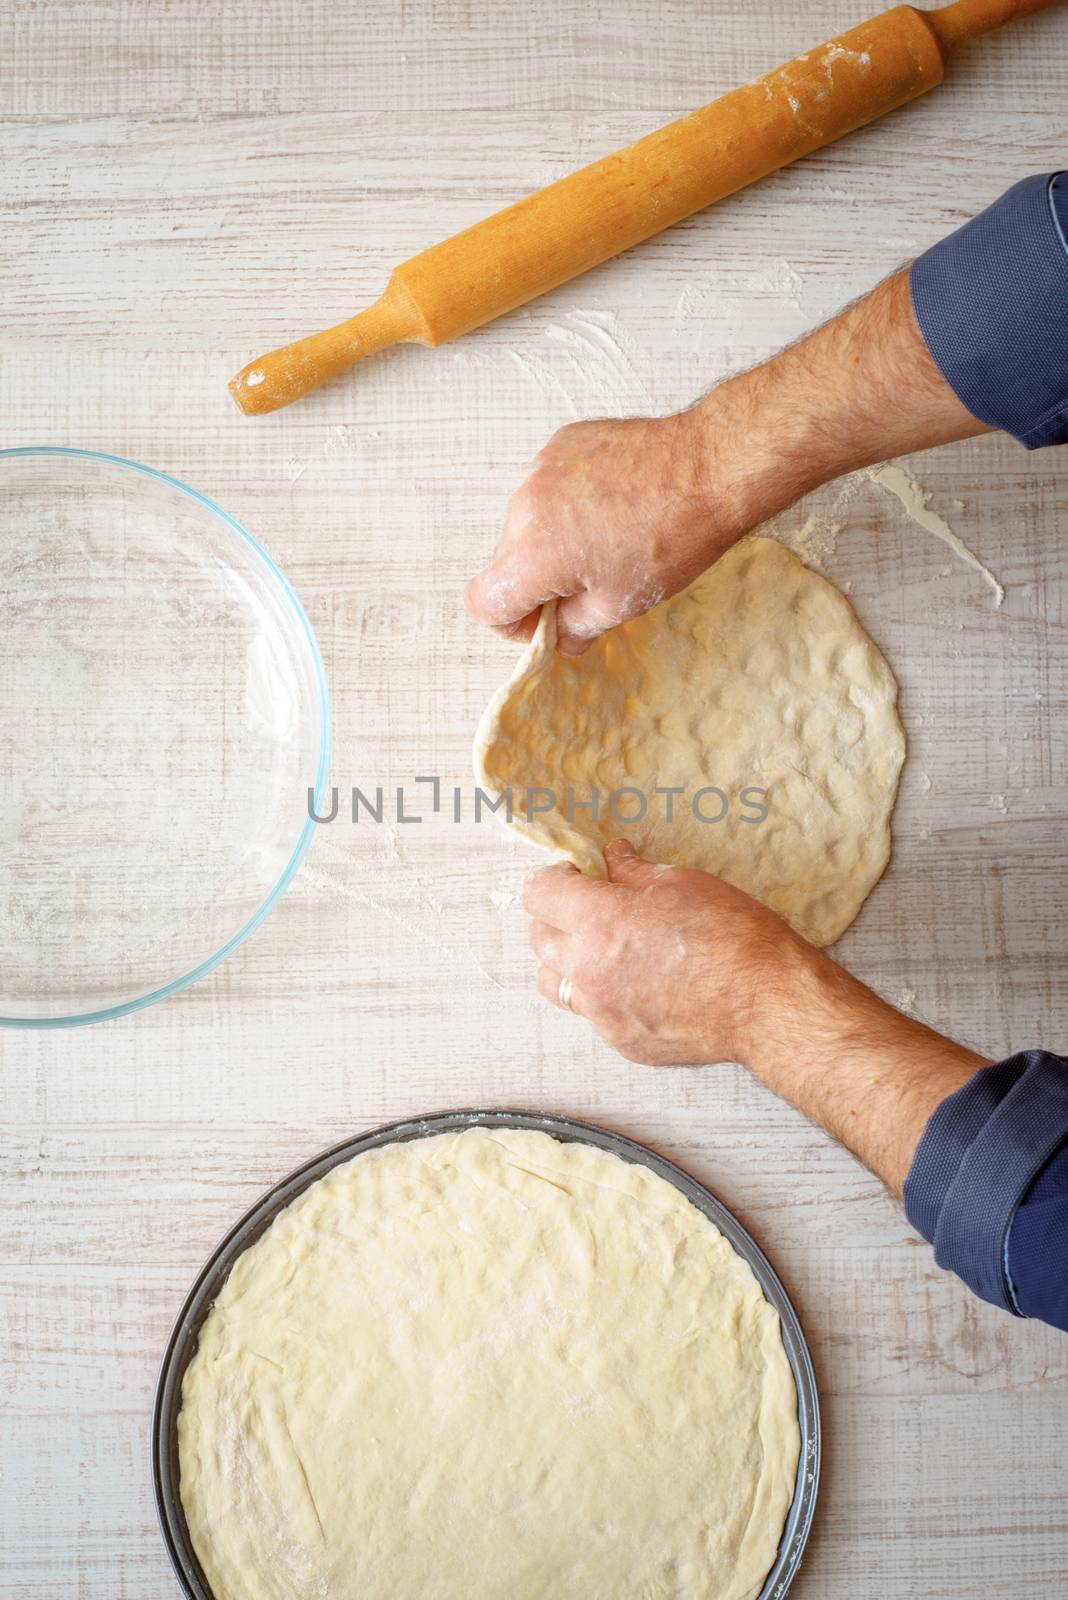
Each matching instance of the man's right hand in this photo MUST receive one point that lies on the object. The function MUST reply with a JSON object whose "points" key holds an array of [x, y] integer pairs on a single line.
{"points": [[614, 517]]}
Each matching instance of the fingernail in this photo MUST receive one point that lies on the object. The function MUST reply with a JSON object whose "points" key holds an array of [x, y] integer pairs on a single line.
{"points": [[620, 847]]}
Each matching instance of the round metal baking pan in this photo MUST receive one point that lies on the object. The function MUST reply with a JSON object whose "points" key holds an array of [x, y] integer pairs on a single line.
{"points": [[182, 1343]]}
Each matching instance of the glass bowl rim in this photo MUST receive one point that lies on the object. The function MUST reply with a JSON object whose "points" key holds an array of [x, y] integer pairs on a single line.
{"points": [[164, 991]]}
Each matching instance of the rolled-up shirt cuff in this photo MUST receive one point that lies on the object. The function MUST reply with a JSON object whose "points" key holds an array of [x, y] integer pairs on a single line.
{"points": [[978, 1157], [992, 304]]}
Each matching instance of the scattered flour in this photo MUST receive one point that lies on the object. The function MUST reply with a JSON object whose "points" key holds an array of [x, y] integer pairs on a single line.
{"points": [[584, 332], [914, 497], [817, 538], [546, 379], [785, 282]]}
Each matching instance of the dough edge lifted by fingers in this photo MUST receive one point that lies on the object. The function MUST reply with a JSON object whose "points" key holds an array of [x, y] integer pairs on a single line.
{"points": [[759, 676]]}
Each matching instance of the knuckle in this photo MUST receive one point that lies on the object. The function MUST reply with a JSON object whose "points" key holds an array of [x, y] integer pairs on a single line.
{"points": [[639, 1051], [562, 436], [520, 516], [530, 497], [534, 892], [587, 958], [607, 905], [590, 979], [617, 941]]}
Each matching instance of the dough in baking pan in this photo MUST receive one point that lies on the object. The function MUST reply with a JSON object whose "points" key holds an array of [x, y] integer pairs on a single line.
{"points": [[487, 1365], [755, 688]]}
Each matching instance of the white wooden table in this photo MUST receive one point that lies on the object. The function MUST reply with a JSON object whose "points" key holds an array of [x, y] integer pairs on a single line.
{"points": [[188, 182]]}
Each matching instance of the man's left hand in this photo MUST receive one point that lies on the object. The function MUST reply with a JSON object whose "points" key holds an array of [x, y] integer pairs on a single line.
{"points": [[665, 962]]}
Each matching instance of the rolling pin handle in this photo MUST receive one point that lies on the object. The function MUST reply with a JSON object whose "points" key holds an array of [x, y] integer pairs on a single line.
{"points": [[967, 19], [277, 379]]}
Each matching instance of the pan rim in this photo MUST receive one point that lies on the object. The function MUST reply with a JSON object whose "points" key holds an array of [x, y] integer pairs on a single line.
{"points": [[184, 1333]]}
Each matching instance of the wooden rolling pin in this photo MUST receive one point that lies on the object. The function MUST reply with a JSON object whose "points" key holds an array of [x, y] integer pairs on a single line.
{"points": [[575, 224]]}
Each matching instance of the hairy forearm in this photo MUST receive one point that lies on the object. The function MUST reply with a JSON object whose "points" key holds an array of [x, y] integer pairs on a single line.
{"points": [[868, 1074], [860, 389], [675, 967]]}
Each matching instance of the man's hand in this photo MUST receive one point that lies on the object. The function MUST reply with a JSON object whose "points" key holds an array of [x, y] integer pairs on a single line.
{"points": [[613, 517], [676, 968], [666, 963]]}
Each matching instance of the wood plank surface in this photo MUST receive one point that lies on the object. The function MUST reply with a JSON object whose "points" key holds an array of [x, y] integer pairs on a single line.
{"points": [[189, 182]]}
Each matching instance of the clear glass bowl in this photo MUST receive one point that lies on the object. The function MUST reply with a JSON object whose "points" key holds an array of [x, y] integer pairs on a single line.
{"points": [[163, 717]]}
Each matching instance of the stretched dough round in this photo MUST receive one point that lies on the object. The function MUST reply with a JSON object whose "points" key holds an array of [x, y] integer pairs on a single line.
{"points": [[488, 1364], [758, 677]]}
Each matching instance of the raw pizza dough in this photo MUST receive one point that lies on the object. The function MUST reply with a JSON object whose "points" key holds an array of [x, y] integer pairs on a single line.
{"points": [[489, 1366], [757, 677]]}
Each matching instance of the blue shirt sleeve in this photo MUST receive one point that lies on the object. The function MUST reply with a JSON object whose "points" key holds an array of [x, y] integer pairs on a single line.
{"points": [[992, 304], [988, 1186]]}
